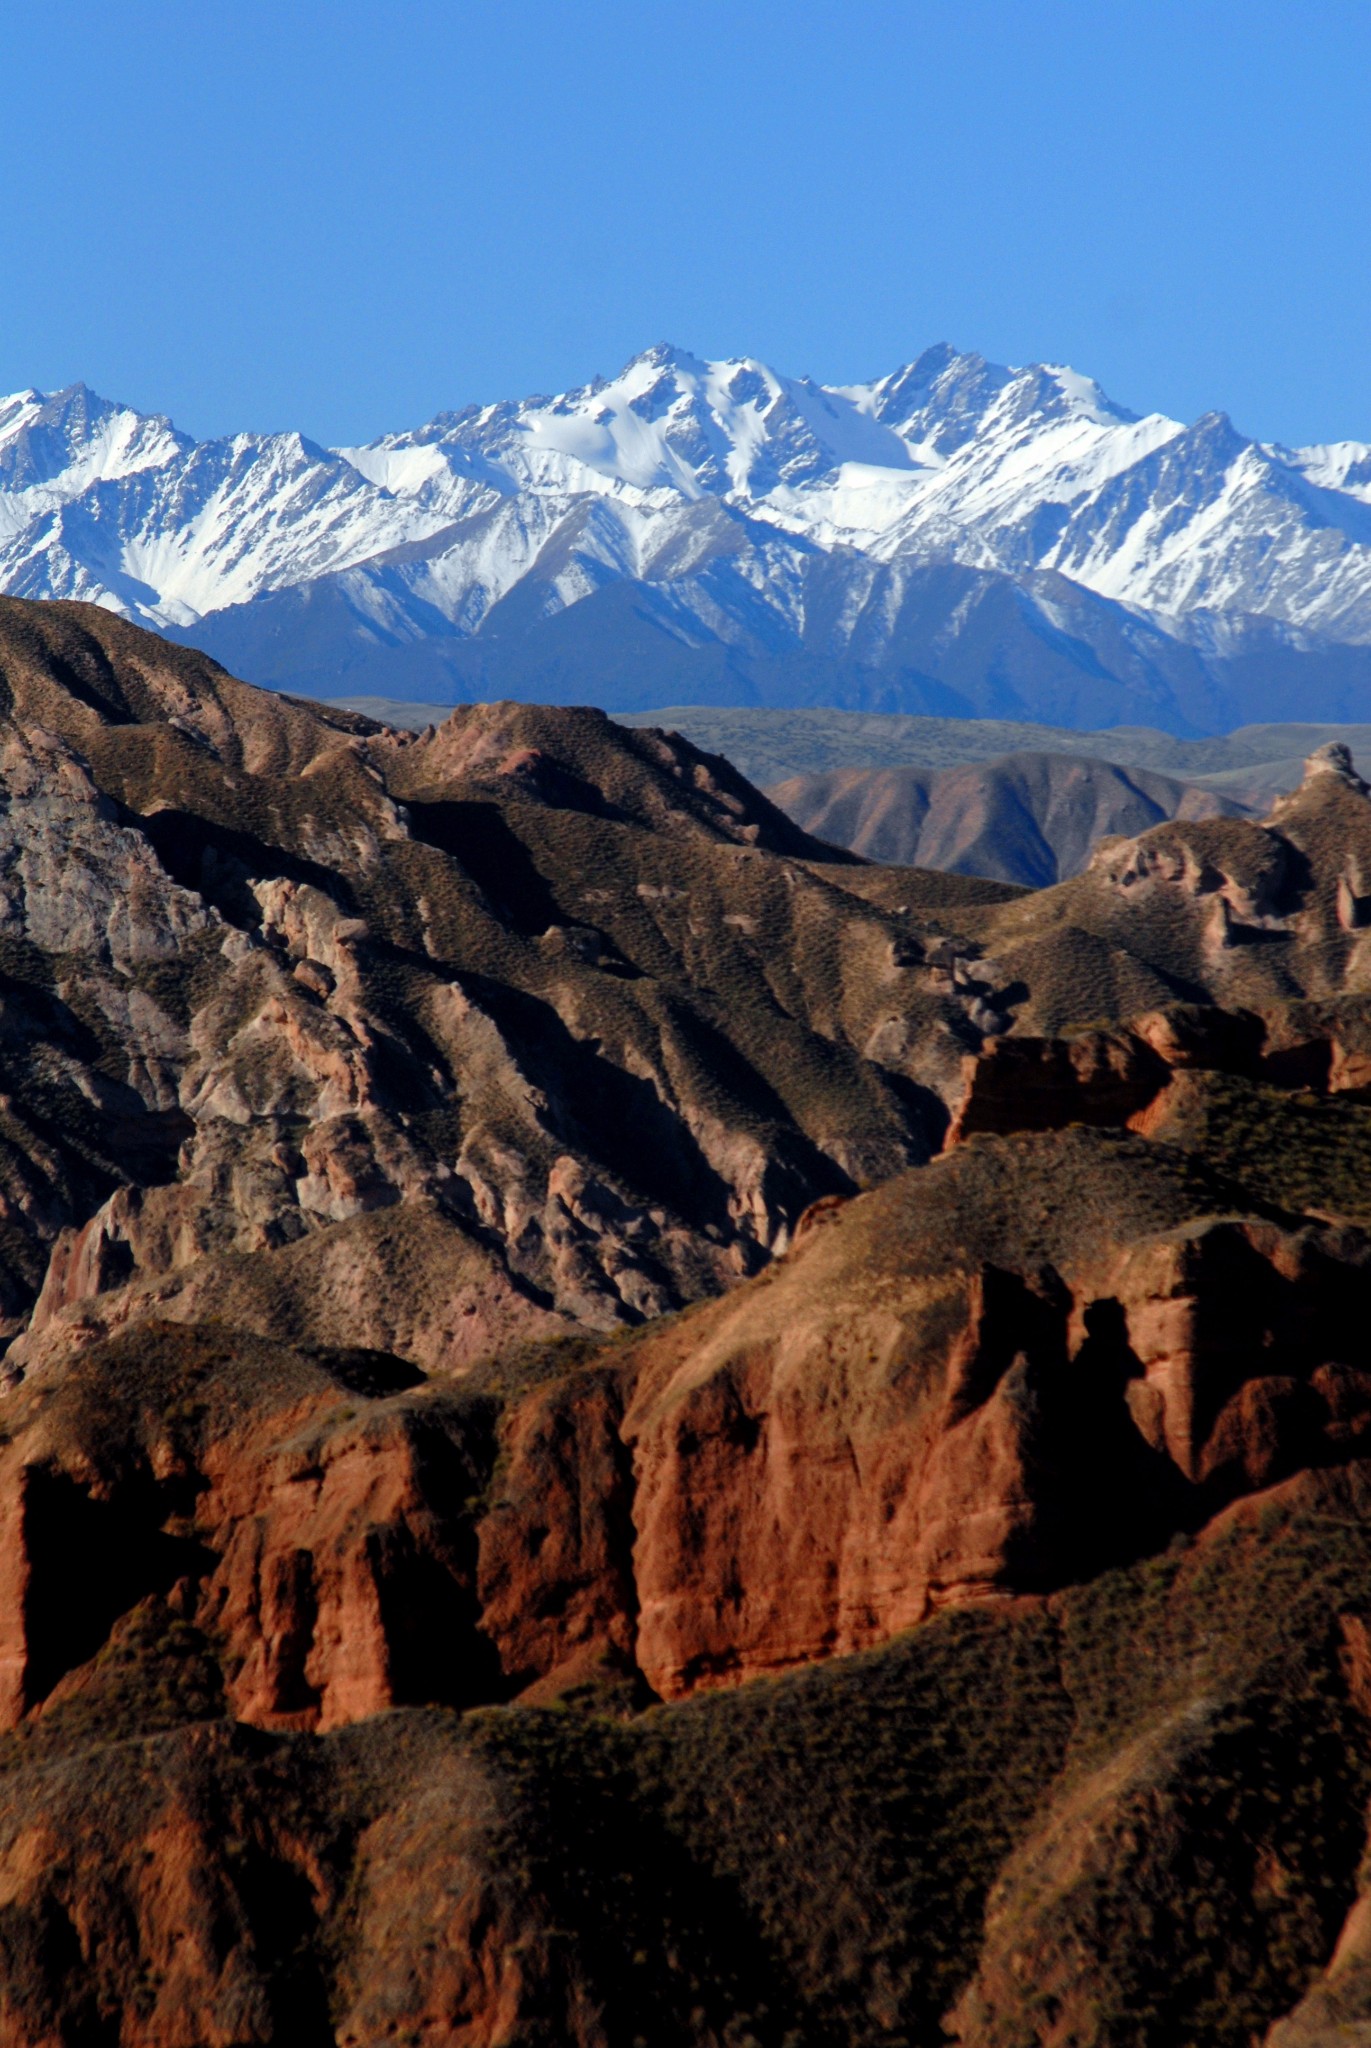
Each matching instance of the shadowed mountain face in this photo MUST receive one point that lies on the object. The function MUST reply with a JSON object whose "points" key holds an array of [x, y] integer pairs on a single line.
{"points": [[1028, 818], [622, 1427]]}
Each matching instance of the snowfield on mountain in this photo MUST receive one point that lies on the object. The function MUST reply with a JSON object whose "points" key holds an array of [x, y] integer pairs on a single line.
{"points": [[955, 538]]}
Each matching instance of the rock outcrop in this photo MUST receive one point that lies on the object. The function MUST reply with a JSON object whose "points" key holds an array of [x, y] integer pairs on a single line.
{"points": [[1015, 1367], [578, 999], [979, 1831], [570, 1005]]}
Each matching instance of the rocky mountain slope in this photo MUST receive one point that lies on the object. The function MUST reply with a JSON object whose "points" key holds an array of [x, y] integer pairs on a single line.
{"points": [[957, 537], [575, 1010], [622, 1428], [1028, 818]]}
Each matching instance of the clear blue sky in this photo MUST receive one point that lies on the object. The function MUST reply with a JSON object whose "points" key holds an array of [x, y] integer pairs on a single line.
{"points": [[345, 217]]}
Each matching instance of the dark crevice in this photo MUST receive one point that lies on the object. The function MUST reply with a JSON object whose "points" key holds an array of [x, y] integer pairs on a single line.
{"points": [[426, 1573], [219, 864], [476, 836], [90, 1561]]}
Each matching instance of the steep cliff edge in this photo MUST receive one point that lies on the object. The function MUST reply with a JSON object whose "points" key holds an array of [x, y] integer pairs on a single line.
{"points": [[1031, 1361], [1133, 1807]]}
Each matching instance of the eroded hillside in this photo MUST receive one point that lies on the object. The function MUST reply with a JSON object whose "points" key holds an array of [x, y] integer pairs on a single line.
{"points": [[620, 1429], [416, 1040]]}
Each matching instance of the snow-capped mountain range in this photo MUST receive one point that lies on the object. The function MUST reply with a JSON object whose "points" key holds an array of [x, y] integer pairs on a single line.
{"points": [[955, 537]]}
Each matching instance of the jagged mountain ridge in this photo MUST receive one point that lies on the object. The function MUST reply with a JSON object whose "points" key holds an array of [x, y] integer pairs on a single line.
{"points": [[956, 537]]}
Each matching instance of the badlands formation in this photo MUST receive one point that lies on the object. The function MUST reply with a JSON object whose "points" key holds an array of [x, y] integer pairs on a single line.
{"points": [[621, 1427]]}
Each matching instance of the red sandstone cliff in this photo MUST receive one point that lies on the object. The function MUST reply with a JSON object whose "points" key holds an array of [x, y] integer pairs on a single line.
{"points": [[1032, 1360]]}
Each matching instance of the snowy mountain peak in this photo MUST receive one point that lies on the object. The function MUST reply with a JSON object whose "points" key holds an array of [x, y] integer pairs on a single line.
{"points": [[57, 444], [944, 398], [938, 399], [743, 507], [663, 355]]}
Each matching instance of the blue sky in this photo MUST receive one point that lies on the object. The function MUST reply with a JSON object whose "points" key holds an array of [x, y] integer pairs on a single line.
{"points": [[346, 217]]}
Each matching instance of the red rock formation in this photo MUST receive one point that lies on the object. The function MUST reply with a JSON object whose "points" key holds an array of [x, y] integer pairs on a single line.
{"points": [[310, 1516], [1039, 1084], [1031, 1359]]}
